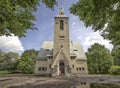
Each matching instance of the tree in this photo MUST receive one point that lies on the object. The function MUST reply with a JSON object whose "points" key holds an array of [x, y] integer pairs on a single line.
{"points": [[27, 61], [116, 55], [1, 60], [8, 61], [102, 15], [49, 3], [115, 70], [99, 59], [16, 16]]}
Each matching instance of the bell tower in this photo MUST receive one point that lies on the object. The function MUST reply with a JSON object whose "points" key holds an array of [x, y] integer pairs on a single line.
{"points": [[61, 34]]}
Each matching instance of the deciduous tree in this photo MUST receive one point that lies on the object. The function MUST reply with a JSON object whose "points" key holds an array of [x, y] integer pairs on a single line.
{"points": [[102, 15], [115, 70], [8, 61], [16, 16], [27, 61], [1, 60], [99, 59], [116, 55]]}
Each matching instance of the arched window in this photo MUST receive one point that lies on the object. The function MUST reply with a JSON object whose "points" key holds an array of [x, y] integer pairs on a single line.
{"points": [[61, 25]]}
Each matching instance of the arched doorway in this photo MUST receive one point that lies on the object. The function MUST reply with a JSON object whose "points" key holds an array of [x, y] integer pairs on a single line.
{"points": [[61, 68]]}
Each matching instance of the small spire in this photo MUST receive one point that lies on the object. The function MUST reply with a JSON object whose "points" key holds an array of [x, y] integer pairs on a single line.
{"points": [[61, 12]]}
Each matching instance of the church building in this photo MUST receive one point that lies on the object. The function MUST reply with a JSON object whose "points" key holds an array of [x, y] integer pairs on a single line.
{"points": [[61, 56]]}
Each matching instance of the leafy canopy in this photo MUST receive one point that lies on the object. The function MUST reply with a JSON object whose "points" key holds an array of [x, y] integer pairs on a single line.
{"points": [[115, 70], [27, 61], [16, 16], [116, 55], [102, 15], [8, 61], [99, 59]]}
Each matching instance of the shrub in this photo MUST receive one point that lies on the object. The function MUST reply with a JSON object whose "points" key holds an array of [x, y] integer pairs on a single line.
{"points": [[115, 70], [2, 73]]}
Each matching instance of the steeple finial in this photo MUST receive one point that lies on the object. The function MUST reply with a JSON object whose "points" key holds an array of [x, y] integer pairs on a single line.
{"points": [[61, 12]]}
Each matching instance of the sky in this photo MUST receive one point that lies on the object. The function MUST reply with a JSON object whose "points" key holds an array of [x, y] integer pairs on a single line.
{"points": [[45, 24]]}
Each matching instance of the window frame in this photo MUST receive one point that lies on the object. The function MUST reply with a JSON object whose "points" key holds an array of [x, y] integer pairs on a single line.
{"points": [[61, 25]]}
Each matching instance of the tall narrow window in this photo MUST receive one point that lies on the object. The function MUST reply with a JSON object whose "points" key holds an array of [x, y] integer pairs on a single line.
{"points": [[77, 69], [61, 46], [39, 68], [50, 66], [80, 69], [42, 68], [73, 66], [61, 25], [83, 68]]}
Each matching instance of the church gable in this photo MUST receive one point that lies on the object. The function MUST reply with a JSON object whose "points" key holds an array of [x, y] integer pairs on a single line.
{"points": [[60, 57]]}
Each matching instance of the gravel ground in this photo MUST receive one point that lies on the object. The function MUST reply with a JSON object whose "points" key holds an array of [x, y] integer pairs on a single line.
{"points": [[51, 82]]}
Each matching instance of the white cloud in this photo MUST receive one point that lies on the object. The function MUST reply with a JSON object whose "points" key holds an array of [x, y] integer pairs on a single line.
{"points": [[86, 36], [95, 37], [11, 43]]}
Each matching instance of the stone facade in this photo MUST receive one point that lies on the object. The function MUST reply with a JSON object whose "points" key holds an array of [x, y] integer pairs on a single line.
{"points": [[61, 57]]}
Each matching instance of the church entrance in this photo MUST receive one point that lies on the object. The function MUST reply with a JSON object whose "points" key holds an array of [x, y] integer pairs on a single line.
{"points": [[61, 68]]}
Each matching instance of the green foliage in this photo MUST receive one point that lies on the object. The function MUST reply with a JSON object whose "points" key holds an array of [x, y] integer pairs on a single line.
{"points": [[49, 3], [1, 57], [115, 70], [16, 16], [2, 73], [98, 13], [25, 65], [8, 61], [99, 59], [12, 62], [27, 61], [116, 55]]}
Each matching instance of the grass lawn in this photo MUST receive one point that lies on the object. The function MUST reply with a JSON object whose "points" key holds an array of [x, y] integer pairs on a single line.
{"points": [[3, 73]]}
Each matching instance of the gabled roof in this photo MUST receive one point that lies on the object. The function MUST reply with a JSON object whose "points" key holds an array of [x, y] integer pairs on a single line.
{"points": [[76, 48], [47, 50], [56, 58]]}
